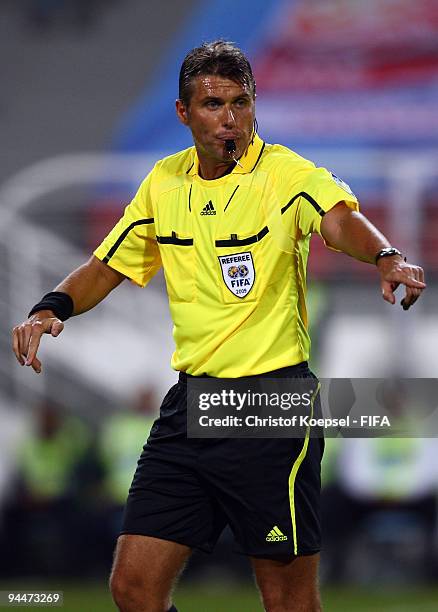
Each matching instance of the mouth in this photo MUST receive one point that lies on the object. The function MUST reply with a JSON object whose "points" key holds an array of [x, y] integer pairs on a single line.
{"points": [[229, 136]]}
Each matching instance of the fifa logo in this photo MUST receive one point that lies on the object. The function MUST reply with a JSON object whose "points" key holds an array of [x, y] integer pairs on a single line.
{"points": [[238, 272]]}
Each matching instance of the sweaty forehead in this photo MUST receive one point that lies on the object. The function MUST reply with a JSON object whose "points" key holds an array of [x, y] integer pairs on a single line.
{"points": [[213, 85]]}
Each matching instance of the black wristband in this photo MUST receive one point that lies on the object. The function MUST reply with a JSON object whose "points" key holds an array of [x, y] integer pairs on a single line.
{"points": [[387, 252], [58, 302]]}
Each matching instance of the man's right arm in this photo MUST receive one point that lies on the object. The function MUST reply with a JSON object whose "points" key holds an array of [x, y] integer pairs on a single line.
{"points": [[87, 286]]}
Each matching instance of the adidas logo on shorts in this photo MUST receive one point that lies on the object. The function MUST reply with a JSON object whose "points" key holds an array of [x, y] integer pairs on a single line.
{"points": [[275, 535], [208, 209]]}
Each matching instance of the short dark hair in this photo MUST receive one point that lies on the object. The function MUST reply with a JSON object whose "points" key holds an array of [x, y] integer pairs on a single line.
{"points": [[219, 57]]}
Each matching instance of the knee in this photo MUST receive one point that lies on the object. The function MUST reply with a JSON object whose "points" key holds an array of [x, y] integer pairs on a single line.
{"points": [[125, 592], [130, 594]]}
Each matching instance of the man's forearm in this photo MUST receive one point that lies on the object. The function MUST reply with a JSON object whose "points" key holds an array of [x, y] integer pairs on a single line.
{"points": [[352, 233], [86, 286], [90, 284]]}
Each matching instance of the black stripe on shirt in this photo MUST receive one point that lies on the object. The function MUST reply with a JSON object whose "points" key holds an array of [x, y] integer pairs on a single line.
{"points": [[234, 241], [307, 197], [123, 235], [258, 158], [231, 197], [173, 239]]}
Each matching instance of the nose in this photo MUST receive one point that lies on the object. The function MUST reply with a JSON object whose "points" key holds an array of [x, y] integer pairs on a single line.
{"points": [[228, 119]]}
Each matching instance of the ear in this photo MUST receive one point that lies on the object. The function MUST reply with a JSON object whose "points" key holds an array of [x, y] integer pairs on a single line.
{"points": [[181, 112]]}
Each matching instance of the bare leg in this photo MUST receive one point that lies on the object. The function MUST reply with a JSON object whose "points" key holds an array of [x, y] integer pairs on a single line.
{"points": [[288, 585], [145, 571]]}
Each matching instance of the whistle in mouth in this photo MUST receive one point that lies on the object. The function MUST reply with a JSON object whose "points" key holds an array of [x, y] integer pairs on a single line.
{"points": [[230, 146]]}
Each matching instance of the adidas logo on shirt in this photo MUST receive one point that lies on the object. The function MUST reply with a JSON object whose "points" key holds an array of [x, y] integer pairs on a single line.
{"points": [[208, 209], [275, 535]]}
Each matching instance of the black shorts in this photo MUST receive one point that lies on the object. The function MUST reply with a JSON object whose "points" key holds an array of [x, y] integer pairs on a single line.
{"points": [[187, 490]]}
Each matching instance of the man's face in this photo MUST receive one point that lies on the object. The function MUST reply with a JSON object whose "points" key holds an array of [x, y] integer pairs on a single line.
{"points": [[220, 109]]}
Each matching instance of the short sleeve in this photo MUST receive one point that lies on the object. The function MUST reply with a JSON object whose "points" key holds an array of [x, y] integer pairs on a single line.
{"points": [[320, 191], [131, 246]]}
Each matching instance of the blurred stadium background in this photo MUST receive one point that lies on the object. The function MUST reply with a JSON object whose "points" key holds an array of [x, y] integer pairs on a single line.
{"points": [[86, 106]]}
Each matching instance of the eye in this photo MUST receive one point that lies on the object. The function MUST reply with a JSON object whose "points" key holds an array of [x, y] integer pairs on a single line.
{"points": [[241, 102], [213, 104]]}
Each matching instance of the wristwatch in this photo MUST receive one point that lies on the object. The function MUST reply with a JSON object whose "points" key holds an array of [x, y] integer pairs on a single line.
{"points": [[387, 252]]}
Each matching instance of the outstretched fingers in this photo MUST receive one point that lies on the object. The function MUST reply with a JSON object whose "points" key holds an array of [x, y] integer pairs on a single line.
{"points": [[414, 287], [388, 289], [16, 345], [26, 339], [37, 331], [412, 277]]}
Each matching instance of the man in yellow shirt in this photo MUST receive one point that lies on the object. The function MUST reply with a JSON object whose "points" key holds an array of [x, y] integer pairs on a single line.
{"points": [[230, 221]]}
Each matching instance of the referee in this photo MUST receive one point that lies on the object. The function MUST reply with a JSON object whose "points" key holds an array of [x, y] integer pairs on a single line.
{"points": [[230, 220]]}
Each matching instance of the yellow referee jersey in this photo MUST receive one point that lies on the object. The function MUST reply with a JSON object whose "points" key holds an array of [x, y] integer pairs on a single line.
{"points": [[234, 252]]}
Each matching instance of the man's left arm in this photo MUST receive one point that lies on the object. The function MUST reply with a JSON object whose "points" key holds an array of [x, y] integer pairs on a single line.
{"points": [[349, 231]]}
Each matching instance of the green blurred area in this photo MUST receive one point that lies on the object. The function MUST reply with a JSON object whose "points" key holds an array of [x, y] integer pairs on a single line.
{"points": [[227, 598]]}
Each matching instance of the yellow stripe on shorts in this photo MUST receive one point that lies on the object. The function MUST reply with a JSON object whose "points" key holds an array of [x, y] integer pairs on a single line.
{"points": [[294, 471]]}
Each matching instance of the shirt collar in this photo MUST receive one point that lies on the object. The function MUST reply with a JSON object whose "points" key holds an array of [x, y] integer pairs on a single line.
{"points": [[248, 161]]}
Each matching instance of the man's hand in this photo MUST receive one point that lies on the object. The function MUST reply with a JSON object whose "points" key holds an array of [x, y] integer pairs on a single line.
{"points": [[87, 286], [349, 231], [394, 272], [26, 337]]}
